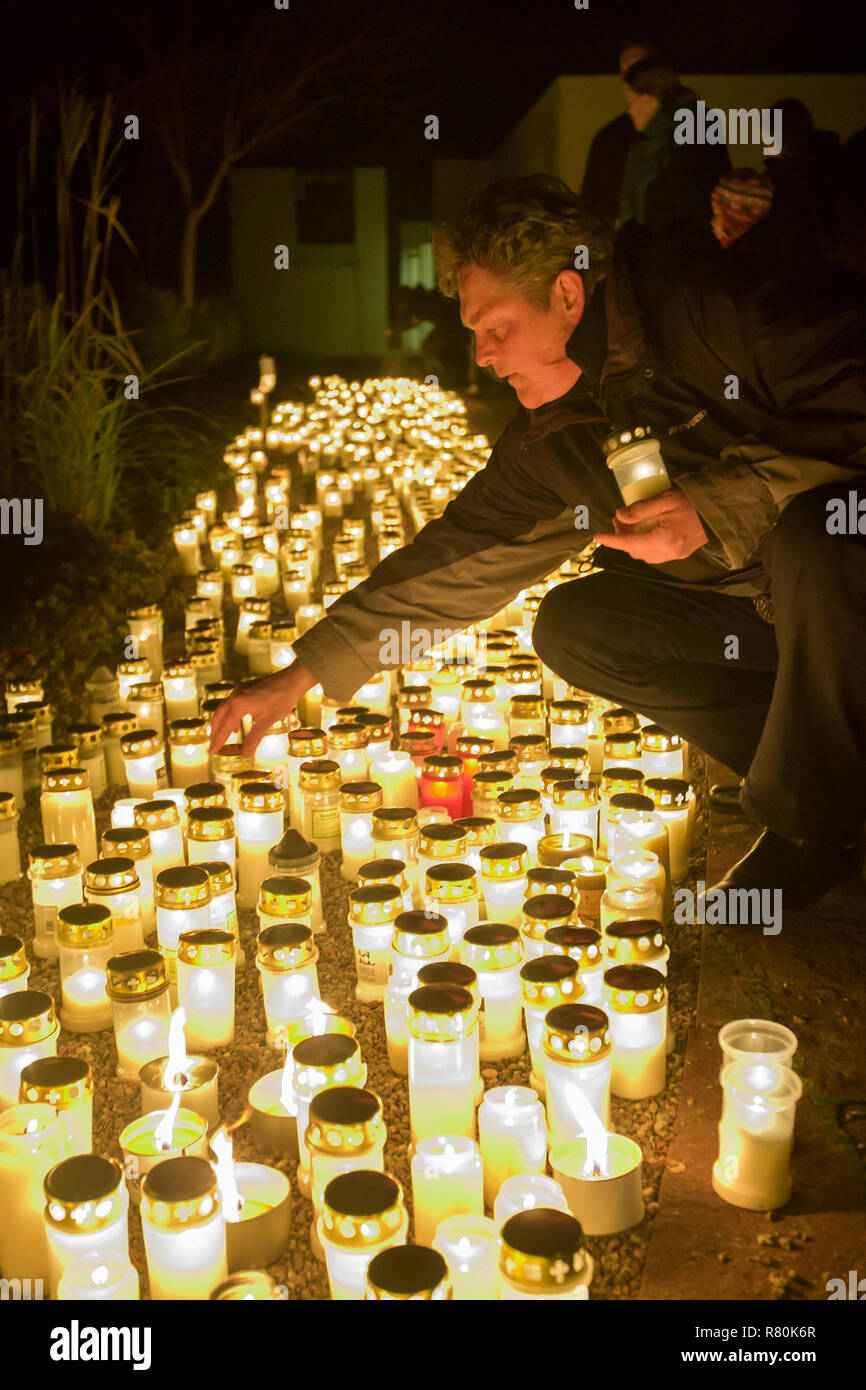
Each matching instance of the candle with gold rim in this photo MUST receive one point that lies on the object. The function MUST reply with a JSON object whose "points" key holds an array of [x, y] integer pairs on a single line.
{"points": [[286, 960], [28, 1030], [86, 942], [520, 818], [362, 1214], [636, 1000], [161, 820], [114, 884], [86, 1206], [184, 1229], [138, 988], [182, 904], [419, 937], [345, 1133], [542, 1256], [545, 982], [512, 1136], [33, 1139], [319, 786], [452, 891], [615, 781], [662, 752], [67, 810], [540, 913], [408, 1272], [446, 1181], [358, 801], [14, 966], [504, 868], [66, 1083], [57, 880], [206, 986], [494, 950], [260, 827], [577, 1068], [584, 945], [372, 913], [319, 1063], [443, 1061]]}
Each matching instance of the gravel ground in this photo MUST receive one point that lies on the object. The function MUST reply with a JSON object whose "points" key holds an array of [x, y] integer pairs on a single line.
{"points": [[618, 1259]]}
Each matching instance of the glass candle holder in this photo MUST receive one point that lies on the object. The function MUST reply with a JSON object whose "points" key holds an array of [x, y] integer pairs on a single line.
{"points": [[319, 787], [138, 988], [99, 1278], [546, 981], [347, 746], [488, 784], [345, 1133], [85, 938], [14, 966], [470, 1246], [577, 1068], [358, 801], [495, 951], [443, 1061], [512, 1136], [130, 842], [303, 745], [527, 1192], [446, 1181], [442, 783], [636, 1001], [638, 469], [661, 752], [33, 1139], [210, 833], [184, 1229], [28, 1031], [182, 904], [390, 871], [759, 1042], [372, 914], [615, 781], [569, 724], [206, 986], [756, 1135], [129, 674], [66, 1083], [362, 1214], [115, 885], [396, 835], [520, 818], [144, 702], [623, 904], [408, 1272], [419, 937], [575, 809], [67, 810], [260, 827], [286, 960], [583, 944], [295, 857], [86, 1209], [542, 1256], [504, 870]]}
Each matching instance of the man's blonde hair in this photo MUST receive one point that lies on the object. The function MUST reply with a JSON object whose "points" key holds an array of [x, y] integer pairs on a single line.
{"points": [[525, 231]]}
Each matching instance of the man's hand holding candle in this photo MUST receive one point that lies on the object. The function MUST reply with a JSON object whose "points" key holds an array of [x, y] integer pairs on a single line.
{"points": [[675, 529]]}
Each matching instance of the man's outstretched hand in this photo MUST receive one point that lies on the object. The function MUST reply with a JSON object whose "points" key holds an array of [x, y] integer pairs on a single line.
{"points": [[267, 700], [677, 534]]}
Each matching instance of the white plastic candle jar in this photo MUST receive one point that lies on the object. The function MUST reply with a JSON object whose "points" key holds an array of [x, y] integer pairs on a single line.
{"points": [[286, 960], [347, 746], [186, 544], [408, 1272], [146, 626], [260, 827], [671, 799], [542, 1256], [143, 755], [303, 745], [319, 789], [85, 939], [206, 987], [10, 851], [479, 714], [28, 1031], [503, 880], [452, 890], [188, 745], [636, 1001], [114, 726], [67, 810], [387, 871], [540, 913], [99, 1278], [446, 1181], [512, 1136], [318, 1063], [638, 468], [470, 1246], [181, 692], [86, 1208], [285, 899], [615, 781], [622, 904], [358, 801], [362, 1214], [130, 673], [138, 988], [443, 1061], [662, 752], [66, 1083], [756, 1135], [210, 833], [33, 1139], [396, 835], [372, 913], [577, 1069], [184, 1229], [182, 904], [495, 952], [345, 1133], [546, 981], [14, 967], [129, 842], [144, 701], [114, 884], [575, 809], [569, 725], [57, 880], [88, 741], [419, 937], [161, 820], [520, 818]]}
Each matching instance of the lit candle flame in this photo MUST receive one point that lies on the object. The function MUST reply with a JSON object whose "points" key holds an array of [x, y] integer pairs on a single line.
{"points": [[225, 1173], [31, 1127], [317, 1013], [595, 1135], [175, 1075], [164, 1132]]}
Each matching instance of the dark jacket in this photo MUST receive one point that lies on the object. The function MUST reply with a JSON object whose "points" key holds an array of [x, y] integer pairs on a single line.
{"points": [[674, 328], [604, 165]]}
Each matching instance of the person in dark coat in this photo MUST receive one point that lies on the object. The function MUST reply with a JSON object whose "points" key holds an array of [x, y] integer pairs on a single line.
{"points": [[664, 182], [609, 149]]}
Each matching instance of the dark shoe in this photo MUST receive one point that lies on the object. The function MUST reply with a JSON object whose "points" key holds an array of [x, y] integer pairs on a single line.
{"points": [[803, 870], [726, 797]]}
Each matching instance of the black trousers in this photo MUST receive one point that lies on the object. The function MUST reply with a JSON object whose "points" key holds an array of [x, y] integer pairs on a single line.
{"points": [[787, 711]]}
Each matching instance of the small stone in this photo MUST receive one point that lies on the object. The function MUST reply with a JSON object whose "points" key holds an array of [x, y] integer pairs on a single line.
{"points": [[489, 1073], [723, 1258]]}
